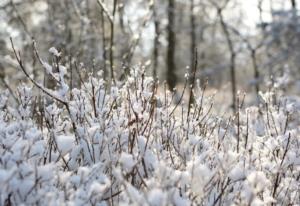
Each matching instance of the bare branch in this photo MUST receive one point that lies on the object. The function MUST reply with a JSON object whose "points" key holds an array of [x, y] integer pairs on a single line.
{"points": [[41, 87], [104, 8]]}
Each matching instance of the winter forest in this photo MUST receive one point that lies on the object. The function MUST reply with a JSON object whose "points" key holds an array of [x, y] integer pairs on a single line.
{"points": [[149, 102]]}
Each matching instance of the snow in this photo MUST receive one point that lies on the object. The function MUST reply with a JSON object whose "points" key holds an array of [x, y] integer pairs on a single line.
{"points": [[4, 174], [127, 161], [258, 181], [179, 201], [65, 143], [156, 197], [47, 67], [54, 51], [78, 158], [237, 173], [37, 148], [45, 172], [96, 188]]}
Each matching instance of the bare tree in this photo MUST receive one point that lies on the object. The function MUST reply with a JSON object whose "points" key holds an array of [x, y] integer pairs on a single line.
{"points": [[193, 33], [156, 41], [293, 3], [104, 50], [230, 45], [193, 52], [112, 29], [171, 66], [111, 18]]}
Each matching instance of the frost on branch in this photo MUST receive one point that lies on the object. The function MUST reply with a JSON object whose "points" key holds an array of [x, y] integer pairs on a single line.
{"points": [[54, 51], [129, 144]]}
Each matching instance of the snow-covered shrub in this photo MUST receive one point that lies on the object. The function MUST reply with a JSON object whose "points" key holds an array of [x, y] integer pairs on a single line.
{"points": [[131, 145]]}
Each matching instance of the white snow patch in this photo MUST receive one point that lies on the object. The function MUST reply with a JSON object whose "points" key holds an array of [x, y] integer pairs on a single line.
{"points": [[65, 143], [54, 51], [127, 161]]}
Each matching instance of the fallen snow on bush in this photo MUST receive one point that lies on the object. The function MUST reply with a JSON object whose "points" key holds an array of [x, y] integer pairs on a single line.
{"points": [[130, 145]]}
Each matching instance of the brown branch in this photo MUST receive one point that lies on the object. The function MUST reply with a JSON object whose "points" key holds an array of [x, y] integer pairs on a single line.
{"points": [[39, 86]]}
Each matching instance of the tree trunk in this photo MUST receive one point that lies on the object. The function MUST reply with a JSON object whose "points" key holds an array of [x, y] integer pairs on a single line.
{"points": [[232, 58], [192, 73], [112, 29], [156, 43], [193, 35], [294, 5], [171, 67], [104, 49]]}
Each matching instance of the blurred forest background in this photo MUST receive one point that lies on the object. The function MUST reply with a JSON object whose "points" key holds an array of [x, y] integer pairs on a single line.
{"points": [[235, 44]]}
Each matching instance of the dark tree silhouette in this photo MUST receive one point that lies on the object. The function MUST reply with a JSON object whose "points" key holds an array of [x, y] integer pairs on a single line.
{"points": [[156, 41], [232, 53], [294, 5], [171, 67]]}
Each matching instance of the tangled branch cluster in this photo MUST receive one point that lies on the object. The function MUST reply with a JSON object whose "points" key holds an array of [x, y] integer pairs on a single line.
{"points": [[129, 144]]}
